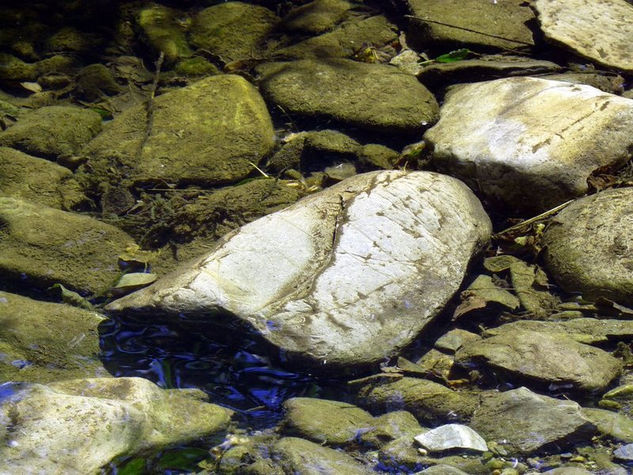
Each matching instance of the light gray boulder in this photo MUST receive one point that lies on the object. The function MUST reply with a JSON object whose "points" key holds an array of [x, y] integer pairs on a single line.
{"points": [[523, 422], [78, 426], [588, 246], [600, 31], [347, 276], [451, 436], [531, 143]]}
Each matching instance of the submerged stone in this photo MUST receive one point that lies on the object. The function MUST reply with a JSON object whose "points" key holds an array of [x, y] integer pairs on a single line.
{"points": [[451, 436], [523, 422], [373, 97], [588, 246], [302, 456], [78, 426], [347, 276], [542, 359], [531, 143]]}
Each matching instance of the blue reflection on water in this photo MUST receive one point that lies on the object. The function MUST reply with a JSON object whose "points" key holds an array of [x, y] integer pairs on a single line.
{"points": [[242, 380]]}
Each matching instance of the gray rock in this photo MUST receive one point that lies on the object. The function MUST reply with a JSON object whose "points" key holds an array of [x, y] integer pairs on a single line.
{"points": [[600, 31], [584, 330], [44, 246], [305, 457], [37, 180], [344, 277], [344, 41], [542, 359], [452, 340], [569, 471], [523, 422], [325, 422], [233, 30], [587, 246], [429, 402], [374, 97], [624, 453], [451, 436], [496, 24], [442, 469], [211, 132], [42, 341], [80, 425], [509, 138], [616, 426], [52, 132]]}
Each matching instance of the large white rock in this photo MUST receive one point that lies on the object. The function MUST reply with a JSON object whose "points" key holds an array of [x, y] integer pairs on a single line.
{"points": [[600, 31], [79, 425], [531, 143], [346, 276]]}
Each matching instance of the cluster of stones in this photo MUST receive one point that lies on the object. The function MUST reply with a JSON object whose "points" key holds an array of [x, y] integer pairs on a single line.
{"points": [[340, 280]]}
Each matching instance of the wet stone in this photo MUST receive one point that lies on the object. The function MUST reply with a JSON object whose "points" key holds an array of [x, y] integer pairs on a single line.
{"points": [[373, 97], [302, 456], [509, 139], [325, 422], [343, 277], [451, 436], [523, 422], [588, 246], [316, 17], [624, 453], [616, 426], [542, 359], [600, 31]]}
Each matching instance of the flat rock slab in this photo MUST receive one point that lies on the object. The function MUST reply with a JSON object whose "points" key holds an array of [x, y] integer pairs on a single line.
{"points": [[43, 341], [600, 31], [523, 422], [495, 24], [42, 246], [302, 456], [451, 436], [210, 132], [346, 276], [531, 143], [78, 426], [373, 97], [584, 330], [542, 359], [588, 246]]}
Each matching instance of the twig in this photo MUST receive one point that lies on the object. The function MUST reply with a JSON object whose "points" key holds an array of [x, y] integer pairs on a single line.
{"points": [[543, 215]]}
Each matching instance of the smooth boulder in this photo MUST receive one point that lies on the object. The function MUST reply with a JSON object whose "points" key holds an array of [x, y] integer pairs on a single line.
{"points": [[588, 246], [531, 143], [347, 276]]}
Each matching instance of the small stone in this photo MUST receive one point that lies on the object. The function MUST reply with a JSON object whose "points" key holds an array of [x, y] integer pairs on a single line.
{"points": [[452, 436], [624, 453]]}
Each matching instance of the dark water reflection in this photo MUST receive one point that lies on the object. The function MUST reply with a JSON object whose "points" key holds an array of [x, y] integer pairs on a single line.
{"points": [[244, 381]]}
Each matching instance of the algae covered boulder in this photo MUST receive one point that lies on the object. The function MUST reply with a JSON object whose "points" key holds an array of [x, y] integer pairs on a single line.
{"points": [[346, 276], [44, 341], [79, 425], [210, 132], [373, 97], [42, 246], [588, 246]]}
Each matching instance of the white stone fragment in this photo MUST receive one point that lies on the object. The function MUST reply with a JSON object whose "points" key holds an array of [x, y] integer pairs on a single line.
{"points": [[346, 276], [531, 143], [600, 31], [451, 436]]}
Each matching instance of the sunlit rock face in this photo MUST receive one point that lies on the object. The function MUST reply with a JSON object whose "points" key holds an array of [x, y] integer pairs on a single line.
{"points": [[531, 143], [347, 276]]}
